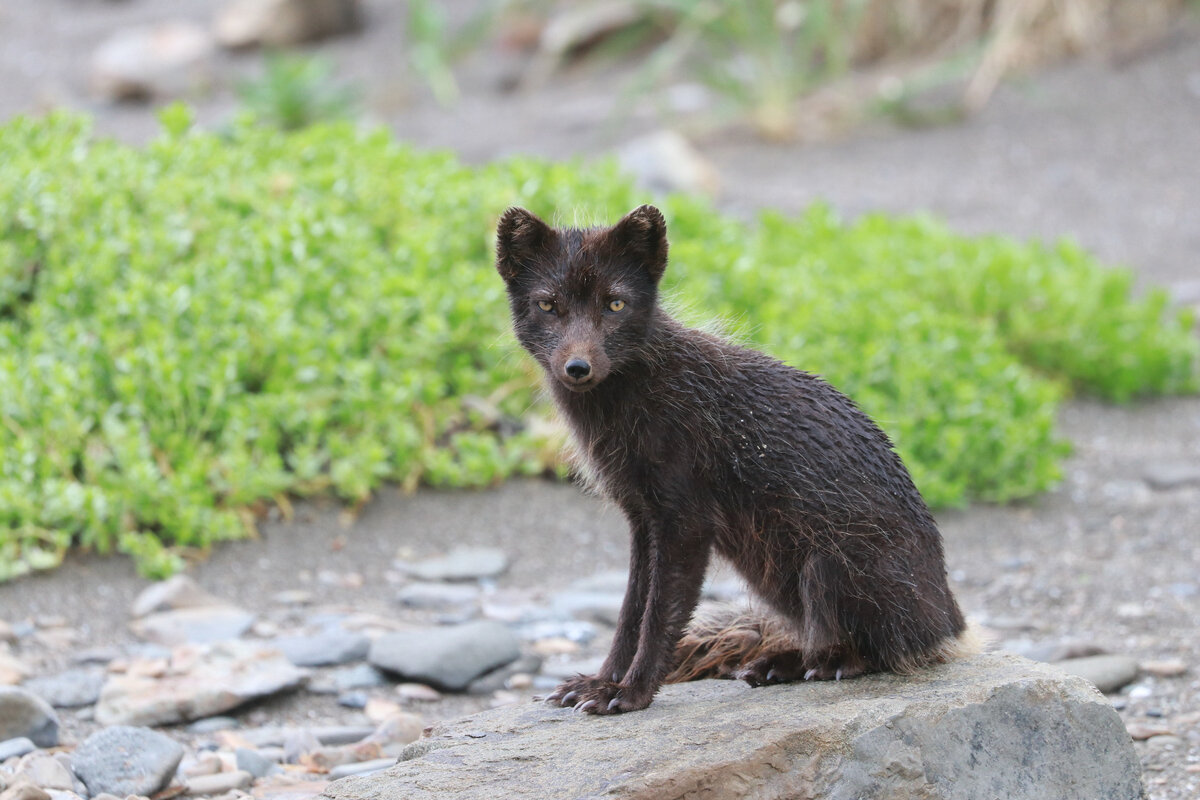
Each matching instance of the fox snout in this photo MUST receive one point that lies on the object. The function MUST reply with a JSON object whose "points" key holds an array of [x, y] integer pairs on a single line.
{"points": [[579, 369]]}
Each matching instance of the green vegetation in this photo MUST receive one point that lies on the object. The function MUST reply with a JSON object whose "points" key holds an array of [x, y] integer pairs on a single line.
{"points": [[199, 327], [295, 92]]}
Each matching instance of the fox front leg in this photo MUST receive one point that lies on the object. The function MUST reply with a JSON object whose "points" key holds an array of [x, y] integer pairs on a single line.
{"points": [[675, 575]]}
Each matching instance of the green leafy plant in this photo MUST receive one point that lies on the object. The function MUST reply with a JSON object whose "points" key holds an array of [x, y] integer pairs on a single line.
{"points": [[295, 92], [194, 329]]}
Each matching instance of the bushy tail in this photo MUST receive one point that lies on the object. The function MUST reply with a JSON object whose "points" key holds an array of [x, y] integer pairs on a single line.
{"points": [[722, 638]]}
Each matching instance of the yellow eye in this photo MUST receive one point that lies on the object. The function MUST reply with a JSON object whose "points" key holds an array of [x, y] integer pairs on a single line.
{"points": [[545, 305], [616, 305]]}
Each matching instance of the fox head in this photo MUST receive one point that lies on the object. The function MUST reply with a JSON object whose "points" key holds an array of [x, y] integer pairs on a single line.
{"points": [[582, 300]]}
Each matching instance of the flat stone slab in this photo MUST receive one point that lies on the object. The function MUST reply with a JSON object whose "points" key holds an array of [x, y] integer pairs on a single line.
{"points": [[989, 726]]}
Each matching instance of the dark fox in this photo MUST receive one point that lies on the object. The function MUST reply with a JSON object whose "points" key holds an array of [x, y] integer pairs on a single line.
{"points": [[706, 445]]}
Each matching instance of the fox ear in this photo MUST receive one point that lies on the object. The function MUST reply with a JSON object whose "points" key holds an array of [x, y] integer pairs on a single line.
{"points": [[519, 234], [643, 233]]}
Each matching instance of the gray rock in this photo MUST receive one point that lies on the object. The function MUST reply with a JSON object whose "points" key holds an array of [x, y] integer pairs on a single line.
{"points": [[447, 658], [1172, 474], [361, 768], [989, 726], [323, 649], [70, 689], [595, 606], [10, 748], [277, 23], [498, 678], [219, 783], [214, 724], [255, 763], [24, 714], [203, 681], [355, 699], [426, 594], [48, 772], [359, 676], [299, 743], [664, 161], [460, 564], [166, 59], [176, 592], [122, 760], [193, 625], [1108, 672]]}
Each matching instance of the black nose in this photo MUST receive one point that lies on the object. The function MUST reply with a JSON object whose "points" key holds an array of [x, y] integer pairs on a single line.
{"points": [[577, 368]]}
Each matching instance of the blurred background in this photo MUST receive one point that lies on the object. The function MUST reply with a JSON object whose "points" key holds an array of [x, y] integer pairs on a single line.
{"points": [[1018, 123]]}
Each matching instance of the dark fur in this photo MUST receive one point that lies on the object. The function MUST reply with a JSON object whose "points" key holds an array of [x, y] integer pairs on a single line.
{"points": [[707, 445]]}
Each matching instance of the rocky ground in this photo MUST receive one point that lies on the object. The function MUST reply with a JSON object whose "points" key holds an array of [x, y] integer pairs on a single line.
{"points": [[1105, 564]]}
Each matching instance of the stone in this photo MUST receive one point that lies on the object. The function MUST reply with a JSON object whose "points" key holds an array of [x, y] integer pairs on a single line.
{"points": [[11, 748], [400, 727], [70, 689], [193, 625], [1167, 668], [255, 763], [354, 699], [7, 634], [417, 693], [427, 594], [202, 681], [166, 59], [664, 162], [1168, 475], [359, 676], [297, 744], [213, 724], [24, 791], [500, 677], [48, 772], [593, 606], [12, 669], [988, 726], [278, 23], [361, 768], [124, 760], [176, 592], [460, 564], [1108, 672], [24, 714], [448, 657], [219, 783], [334, 646]]}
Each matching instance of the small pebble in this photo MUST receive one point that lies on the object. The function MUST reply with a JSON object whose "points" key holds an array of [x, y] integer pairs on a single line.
{"points": [[356, 699], [15, 747], [221, 782], [417, 693], [255, 763], [1167, 668]]}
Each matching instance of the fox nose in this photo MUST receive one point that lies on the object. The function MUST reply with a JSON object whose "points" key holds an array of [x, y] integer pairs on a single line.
{"points": [[578, 369]]}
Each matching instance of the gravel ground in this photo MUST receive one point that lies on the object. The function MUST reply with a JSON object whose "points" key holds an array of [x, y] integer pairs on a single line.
{"points": [[1104, 154]]}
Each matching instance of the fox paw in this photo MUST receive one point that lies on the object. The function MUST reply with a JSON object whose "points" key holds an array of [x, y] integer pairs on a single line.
{"points": [[598, 696], [790, 666]]}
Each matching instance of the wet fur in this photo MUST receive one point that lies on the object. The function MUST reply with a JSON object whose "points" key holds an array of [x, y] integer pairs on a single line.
{"points": [[708, 446]]}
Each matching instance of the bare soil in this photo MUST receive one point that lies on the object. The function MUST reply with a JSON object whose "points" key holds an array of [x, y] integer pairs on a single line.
{"points": [[1102, 152]]}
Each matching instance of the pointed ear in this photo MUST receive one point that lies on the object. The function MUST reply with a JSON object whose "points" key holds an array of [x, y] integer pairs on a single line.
{"points": [[642, 233], [519, 235]]}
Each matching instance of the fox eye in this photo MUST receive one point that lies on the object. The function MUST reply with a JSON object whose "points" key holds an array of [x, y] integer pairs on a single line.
{"points": [[545, 305], [616, 305]]}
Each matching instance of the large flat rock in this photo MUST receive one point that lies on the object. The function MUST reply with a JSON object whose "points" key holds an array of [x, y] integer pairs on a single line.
{"points": [[993, 726]]}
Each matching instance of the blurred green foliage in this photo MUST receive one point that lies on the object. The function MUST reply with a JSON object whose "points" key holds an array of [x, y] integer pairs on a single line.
{"points": [[296, 91], [194, 328]]}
